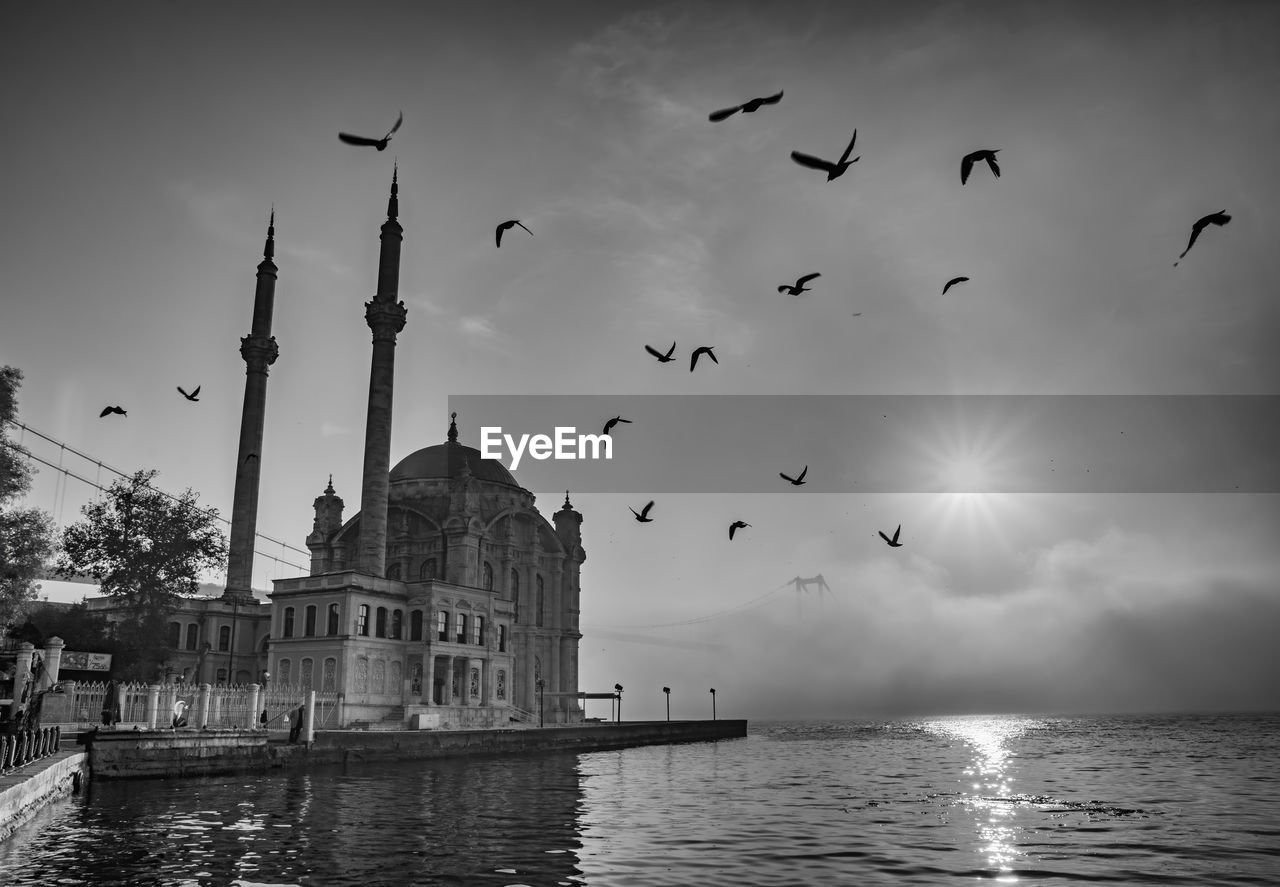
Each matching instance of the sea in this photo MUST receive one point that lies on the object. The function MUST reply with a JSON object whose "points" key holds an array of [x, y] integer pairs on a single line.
{"points": [[1013, 799]]}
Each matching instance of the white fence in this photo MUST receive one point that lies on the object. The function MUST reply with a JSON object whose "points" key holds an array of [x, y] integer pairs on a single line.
{"points": [[152, 706]]}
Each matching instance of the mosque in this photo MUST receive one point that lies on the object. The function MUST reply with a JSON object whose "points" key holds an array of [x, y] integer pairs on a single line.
{"points": [[448, 600]]}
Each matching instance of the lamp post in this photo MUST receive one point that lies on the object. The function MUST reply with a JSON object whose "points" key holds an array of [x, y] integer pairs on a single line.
{"points": [[713, 703], [617, 689], [540, 685], [667, 690]]}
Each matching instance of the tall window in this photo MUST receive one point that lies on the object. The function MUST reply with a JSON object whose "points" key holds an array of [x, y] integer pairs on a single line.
{"points": [[329, 681], [288, 622], [428, 569], [224, 637], [221, 677], [362, 620], [477, 630], [286, 672], [332, 627], [442, 625], [393, 571], [502, 639], [309, 622], [397, 624], [381, 628], [515, 584], [487, 576], [193, 636], [175, 634], [415, 625], [461, 628], [306, 677], [538, 604]]}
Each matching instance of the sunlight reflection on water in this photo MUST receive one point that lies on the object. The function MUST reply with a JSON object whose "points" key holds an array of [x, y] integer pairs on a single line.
{"points": [[991, 738]]}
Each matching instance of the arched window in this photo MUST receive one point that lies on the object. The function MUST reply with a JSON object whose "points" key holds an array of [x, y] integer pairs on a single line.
{"points": [[515, 584], [362, 620], [487, 577], [428, 569], [502, 639], [175, 635], [380, 628], [538, 604], [224, 637], [461, 628], [442, 625], [502, 683], [477, 630], [329, 681], [415, 625], [309, 621], [221, 677], [393, 571], [288, 623], [332, 627], [286, 672], [362, 674], [193, 636], [306, 677], [397, 624]]}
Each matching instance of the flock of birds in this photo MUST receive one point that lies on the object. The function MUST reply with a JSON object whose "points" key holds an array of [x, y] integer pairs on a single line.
{"points": [[834, 170]]}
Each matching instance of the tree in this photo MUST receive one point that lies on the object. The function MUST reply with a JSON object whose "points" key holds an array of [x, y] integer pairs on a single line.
{"points": [[79, 627], [26, 534], [147, 549]]}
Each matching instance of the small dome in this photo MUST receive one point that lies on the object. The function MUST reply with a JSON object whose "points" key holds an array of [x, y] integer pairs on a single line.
{"points": [[446, 460]]}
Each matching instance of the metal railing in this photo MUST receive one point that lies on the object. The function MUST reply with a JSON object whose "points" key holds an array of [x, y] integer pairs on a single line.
{"points": [[25, 746]]}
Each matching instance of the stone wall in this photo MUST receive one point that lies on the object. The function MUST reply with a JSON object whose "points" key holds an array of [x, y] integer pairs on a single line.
{"points": [[26, 790], [165, 753]]}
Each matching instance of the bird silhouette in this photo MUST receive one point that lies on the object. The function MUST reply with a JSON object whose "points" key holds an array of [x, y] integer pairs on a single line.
{"points": [[1218, 218], [952, 282], [705, 349], [798, 287], [108, 410], [643, 514], [380, 144], [747, 108], [662, 358], [735, 526], [857, 314], [987, 154], [798, 479], [833, 170], [608, 426], [194, 395], [250, 456], [506, 226], [893, 543]]}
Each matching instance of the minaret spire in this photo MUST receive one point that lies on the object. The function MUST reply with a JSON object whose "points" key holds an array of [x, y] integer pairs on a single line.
{"points": [[259, 351], [385, 314]]}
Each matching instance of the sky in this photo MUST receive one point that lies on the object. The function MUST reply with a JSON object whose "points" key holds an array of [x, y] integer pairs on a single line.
{"points": [[156, 140]]}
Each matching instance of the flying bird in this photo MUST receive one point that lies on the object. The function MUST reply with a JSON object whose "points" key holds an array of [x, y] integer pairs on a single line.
{"points": [[795, 481], [987, 154], [608, 426], [108, 410], [194, 395], [747, 108], [735, 526], [952, 282], [857, 314], [833, 170], [506, 226], [1218, 218], [380, 144], [250, 456], [662, 358], [893, 543], [705, 349], [643, 514], [798, 287]]}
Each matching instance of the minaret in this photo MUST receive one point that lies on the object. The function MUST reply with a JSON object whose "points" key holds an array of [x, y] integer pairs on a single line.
{"points": [[385, 316], [259, 351]]}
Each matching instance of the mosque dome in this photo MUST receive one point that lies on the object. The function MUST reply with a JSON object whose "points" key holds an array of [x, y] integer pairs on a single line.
{"points": [[446, 460]]}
